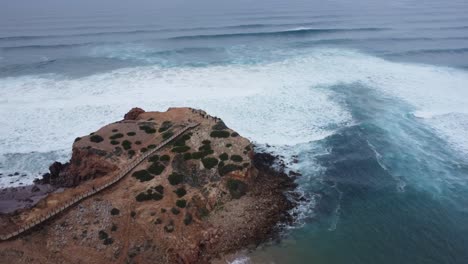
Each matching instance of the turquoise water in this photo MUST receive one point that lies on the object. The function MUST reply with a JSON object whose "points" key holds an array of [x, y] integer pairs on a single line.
{"points": [[370, 98]]}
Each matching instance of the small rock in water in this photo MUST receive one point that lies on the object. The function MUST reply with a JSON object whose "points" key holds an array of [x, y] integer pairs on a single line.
{"points": [[16, 173]]}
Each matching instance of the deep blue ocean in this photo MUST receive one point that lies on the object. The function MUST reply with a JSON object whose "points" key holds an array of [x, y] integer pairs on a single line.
{"points": [[367, 99]]}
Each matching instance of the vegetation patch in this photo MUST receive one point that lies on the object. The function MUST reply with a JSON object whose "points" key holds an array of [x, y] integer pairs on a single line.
{"points": [[181, 192], [154, 193], [102, 235], [175, 178], [182, 203], [236, 158], [143, 150], [206, 142], [220, 126], [234, 134], [156, 168], [236, 188], [148, 129], [114, 228], [126, 144], [153, 158], [142, 175], [248, 148], [187, 156], [165, 126], [175, 210], [209, 162], [77, 139], [115, 211], [116, 136], [228, 168], [114, 142], [246, 164], [224, 156], [228, 145], [131, 153], [108, 241], [115, 130], [167, 134], [180, 149], [219, 134], [96, 138], [188, 219], [138, 142], [165, 158], [181, 141], [131, 134], [152, 146]]}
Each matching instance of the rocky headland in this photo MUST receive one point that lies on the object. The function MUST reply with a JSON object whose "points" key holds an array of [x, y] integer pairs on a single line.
{"points": [[205, 194]]}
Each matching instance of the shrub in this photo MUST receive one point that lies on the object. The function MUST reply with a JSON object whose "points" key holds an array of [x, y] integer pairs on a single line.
{"points": [[159, 189], [156, 168], [96, 138], [180, 149], [175, 178], [188, 219], [115, 211], [209, 163], [181, 203], [219, 134], [143, 150], [187, 156], [220, 126], [114, 228], [236, 188], [228, 168], [152, 146], [150, 131], [167, 134], [165, 158], [236, 158], [116, 136], [180, 192], [165, 126], [103, 235], [221, 164], [205, 147], [133, 214], [143, 175], [138, 142], [228, 145], [158, 221], [206, 142], [127, 144], [114, 142], [224, 156], [246, 164], [131, 153], [153, 158], [115, 130], [108, 241], [234, 134], [175, 210], [197, 155], [131, 134], [163, 210], [248, 148], [77, 139], [148, 195]]}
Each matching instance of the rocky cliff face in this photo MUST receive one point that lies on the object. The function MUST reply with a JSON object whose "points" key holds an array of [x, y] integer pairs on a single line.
{"points": [[205, 194]]}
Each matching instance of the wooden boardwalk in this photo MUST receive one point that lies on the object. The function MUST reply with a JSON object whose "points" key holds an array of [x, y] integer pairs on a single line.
{"points": [[5, 234]]}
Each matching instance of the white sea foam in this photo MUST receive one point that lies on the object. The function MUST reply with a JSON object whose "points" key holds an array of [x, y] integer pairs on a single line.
{"points": [[280, 103]]}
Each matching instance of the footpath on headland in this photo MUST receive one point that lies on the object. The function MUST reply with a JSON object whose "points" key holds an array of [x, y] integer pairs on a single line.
{"points": [[7, 234]]}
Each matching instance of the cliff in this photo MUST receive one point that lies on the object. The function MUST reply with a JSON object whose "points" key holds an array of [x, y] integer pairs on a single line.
{"points": [[202, 195]]}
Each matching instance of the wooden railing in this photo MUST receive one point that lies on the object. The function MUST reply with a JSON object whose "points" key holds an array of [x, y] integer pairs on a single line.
{"points": [[60, 208]]}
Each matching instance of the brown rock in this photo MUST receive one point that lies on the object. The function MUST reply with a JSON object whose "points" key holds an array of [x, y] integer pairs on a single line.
{"points": [[133, 113]]}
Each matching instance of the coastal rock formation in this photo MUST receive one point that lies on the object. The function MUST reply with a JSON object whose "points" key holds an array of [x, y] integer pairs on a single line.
{"points": [[204, 194]]}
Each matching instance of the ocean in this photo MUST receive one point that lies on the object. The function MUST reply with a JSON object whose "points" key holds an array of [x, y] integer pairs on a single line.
{"points": [[368, 100]]}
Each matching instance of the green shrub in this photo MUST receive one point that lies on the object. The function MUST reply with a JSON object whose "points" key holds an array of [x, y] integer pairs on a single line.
{"points": [[127, 144], [116, 136], [77, 139], [246, 164], [206, 147], [115, 211], [220, 126], [133, 214], [175, 210], [180, 149], [165, 158], [236, 158], [228, 168], [143, 175], [131, 134], [180, 192], [209, 162], [219, 134], [165, 126], [156, 168], [236, 188], [108, 241], [115, 130], [234, 134], [143, 150], [228, 145], [221, 164], [138, 142], [153, 158], [158, 221], [150, 131], [206, 142], [102, 235], [188, 219], [148, 195], [248, 148], [152, 146], [181, 203], [159, 189], [197, 155], [167, 134], [224, 156], [163, 210], [131, 153], [96, 138], [114, 142], [114, 228], [175, 178], [187, 156]]}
